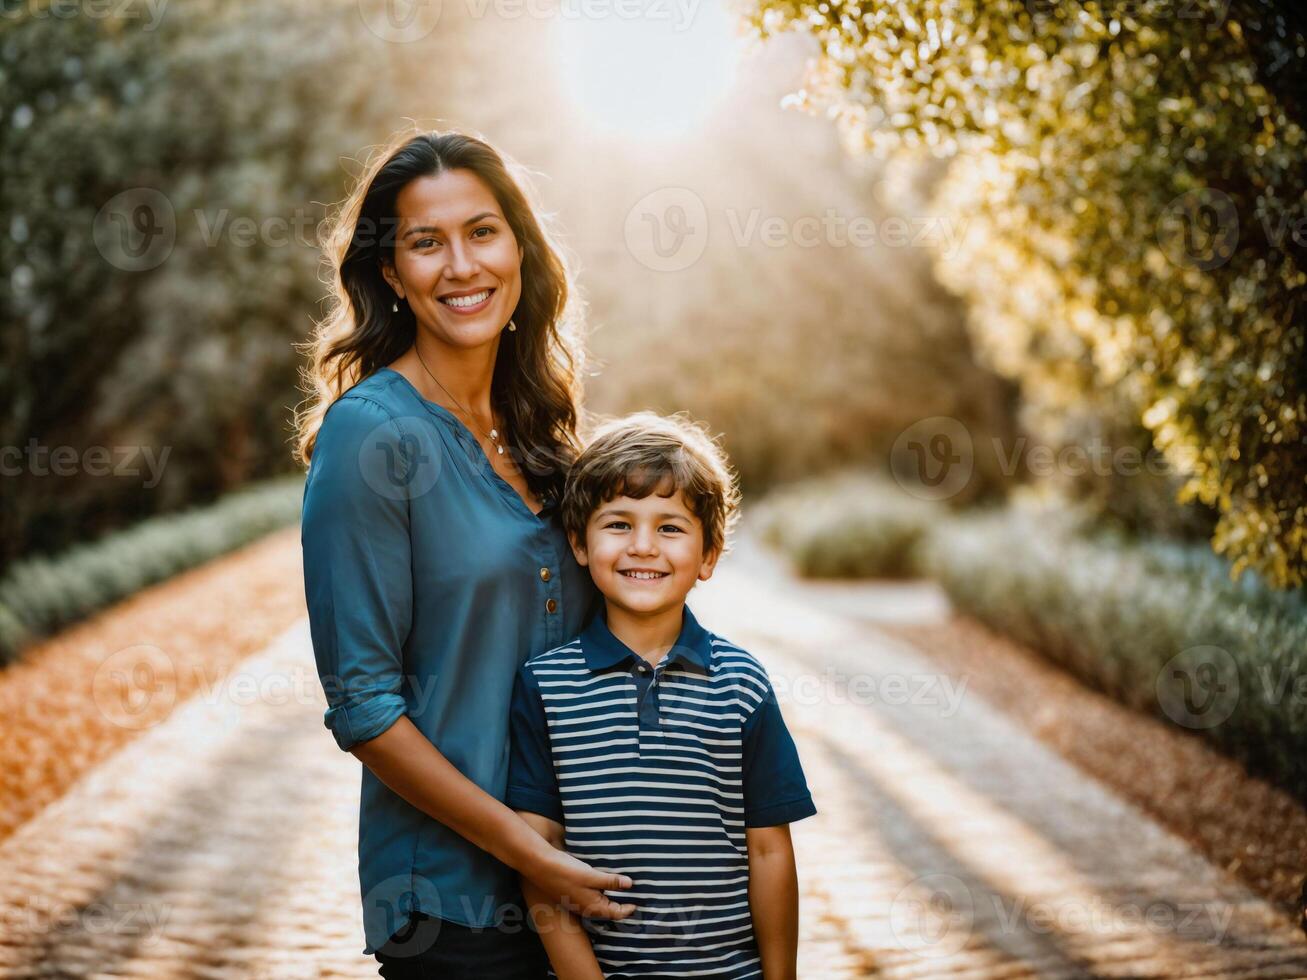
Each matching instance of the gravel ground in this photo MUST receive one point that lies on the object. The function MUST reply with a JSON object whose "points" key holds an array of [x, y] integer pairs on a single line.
{"points": [[78, 697], [220, 843], [1245, 825], [950, 841]]}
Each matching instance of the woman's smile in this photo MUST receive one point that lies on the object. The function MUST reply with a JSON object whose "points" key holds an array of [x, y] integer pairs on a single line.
{"points": [[467, 302]]}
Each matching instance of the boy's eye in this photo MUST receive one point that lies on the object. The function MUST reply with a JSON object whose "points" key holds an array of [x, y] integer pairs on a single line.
{"points": [[665, 527]]}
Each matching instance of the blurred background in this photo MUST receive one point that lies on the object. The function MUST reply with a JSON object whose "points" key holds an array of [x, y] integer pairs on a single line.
{"points": [[998, 308]]}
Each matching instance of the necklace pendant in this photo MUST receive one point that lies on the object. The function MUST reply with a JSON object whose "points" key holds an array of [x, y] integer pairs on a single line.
{"points": [[494, 433], [499, 449]]}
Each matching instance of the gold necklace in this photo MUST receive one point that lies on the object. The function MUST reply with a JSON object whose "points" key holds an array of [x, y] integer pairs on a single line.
{"points": [[494, 433]]}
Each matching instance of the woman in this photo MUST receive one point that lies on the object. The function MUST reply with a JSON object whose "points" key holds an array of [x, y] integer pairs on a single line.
{"points": [[442, 421]]}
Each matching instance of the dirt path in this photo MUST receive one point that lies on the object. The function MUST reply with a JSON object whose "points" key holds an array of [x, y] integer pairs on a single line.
{"points": [[950, 841], [76, 698]]}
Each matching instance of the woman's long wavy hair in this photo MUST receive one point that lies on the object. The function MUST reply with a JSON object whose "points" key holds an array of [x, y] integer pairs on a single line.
{"points": [[535, 386]]}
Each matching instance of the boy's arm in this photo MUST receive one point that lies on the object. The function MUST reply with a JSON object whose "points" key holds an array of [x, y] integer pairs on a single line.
{"points": [[775, 795], [774, 900], [564, 938]]}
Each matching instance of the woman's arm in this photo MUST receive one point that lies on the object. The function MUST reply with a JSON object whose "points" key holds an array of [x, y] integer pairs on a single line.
{"points": [[358, 556], [774, 900], [406, 761], [564, 938]]}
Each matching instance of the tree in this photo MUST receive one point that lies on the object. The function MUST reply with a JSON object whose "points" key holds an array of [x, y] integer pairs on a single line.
{"points": [[1134, 176]]}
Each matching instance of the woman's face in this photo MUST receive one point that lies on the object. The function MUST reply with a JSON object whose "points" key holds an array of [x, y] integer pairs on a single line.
{"points": [[456, 260]]}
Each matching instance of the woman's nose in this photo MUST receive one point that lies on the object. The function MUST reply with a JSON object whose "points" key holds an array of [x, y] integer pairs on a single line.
{"points": [[462, 264]]}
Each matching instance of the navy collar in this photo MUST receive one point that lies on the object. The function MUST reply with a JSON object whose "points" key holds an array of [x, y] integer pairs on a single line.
{"points": [[603, 650]]}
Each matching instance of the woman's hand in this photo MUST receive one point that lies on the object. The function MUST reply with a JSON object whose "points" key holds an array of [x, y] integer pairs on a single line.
{"points": [[577, 885], [406, 761]]}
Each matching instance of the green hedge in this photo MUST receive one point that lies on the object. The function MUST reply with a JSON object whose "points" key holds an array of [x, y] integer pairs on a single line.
{"points": [[1149, 623], [41, 595], [846, 526]]}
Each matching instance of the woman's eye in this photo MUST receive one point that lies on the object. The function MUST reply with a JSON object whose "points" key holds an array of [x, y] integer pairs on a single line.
{"points": [[485, 228], [422, 242]]}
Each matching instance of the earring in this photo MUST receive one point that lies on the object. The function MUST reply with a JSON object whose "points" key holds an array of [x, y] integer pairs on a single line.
{"points": [[511, 326], [394, 307]]}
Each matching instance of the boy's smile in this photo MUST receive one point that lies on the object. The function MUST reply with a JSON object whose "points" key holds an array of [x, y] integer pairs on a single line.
{"points": [[645, 555]]}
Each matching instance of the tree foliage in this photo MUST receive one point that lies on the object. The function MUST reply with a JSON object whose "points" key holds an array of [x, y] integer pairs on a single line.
{"points": [[1134, 177], [219, 125]]}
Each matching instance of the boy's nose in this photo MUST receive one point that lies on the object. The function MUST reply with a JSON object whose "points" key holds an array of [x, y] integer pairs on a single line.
{"points": [[644, 543]]}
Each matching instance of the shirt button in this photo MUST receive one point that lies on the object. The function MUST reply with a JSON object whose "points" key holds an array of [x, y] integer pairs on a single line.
{"points": [[552, 605], [643, 668], [544, 575]]}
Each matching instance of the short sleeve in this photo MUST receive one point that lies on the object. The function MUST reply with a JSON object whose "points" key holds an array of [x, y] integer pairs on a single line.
{"points": [[775, 790], [532, 781], [357, 568]]}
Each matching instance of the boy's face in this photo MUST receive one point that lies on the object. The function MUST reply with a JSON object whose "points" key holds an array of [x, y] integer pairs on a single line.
{"points": [[656, 534]]}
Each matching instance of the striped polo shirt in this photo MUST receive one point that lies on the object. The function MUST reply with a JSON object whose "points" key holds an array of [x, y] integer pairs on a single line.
{"points": [[654, 772]]}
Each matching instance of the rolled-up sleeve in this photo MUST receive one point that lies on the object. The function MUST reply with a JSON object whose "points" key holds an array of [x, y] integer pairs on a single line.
{"points": [[357, 567]]}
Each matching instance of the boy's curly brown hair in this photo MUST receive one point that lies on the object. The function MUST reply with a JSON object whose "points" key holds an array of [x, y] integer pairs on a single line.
{"points": [[638, 454]]}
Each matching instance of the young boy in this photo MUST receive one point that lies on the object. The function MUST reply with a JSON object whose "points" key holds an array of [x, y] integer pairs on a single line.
{"points": [[649, 745]]}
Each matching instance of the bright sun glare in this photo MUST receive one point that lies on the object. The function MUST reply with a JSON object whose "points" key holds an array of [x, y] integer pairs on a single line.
{"points": [[658, 73]]}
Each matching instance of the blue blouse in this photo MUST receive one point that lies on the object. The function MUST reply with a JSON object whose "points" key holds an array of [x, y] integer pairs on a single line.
{"points": [[429, 582]]}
